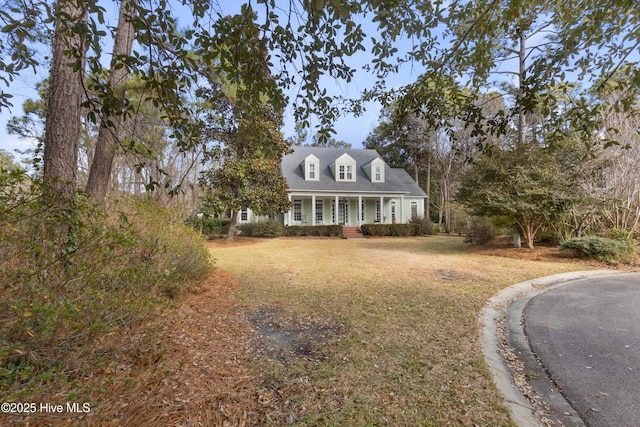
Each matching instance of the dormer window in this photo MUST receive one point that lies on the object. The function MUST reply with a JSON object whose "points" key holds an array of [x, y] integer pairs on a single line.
{"points": [[344, 168], [311, 168], [375, 170], [346, 173]]}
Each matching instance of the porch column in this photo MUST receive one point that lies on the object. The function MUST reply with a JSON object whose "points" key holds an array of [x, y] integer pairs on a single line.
{"points": [[402, 221], [289, 213], [313, 209], [359, 211], [382, 210], [335, 212]]}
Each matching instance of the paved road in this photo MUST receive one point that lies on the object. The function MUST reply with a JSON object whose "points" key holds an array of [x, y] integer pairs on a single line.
{"points": [[587, 335]]}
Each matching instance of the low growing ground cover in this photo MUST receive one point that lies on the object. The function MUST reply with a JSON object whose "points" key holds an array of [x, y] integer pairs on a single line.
{"points": [[372, 332]]}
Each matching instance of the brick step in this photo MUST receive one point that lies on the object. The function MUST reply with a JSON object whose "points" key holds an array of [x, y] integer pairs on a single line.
{"points": [[352, 233]]}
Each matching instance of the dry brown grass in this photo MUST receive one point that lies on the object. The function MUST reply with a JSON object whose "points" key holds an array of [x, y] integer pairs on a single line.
{"points": [[327, 332], [373, 332]]}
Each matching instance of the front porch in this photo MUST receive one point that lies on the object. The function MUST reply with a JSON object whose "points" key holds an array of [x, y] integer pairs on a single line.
{"points": [[351, 210]]}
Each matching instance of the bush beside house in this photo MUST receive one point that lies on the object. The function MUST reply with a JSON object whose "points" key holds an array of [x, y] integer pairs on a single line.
{"points": [[380, 230], [267, 228], [314, 230]]}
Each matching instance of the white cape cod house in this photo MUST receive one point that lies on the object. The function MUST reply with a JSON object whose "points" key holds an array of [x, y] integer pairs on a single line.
{"points": [[349, 187]]}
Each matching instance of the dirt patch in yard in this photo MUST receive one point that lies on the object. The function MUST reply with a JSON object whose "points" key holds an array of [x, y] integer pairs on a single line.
{"points": [[281, 338]]}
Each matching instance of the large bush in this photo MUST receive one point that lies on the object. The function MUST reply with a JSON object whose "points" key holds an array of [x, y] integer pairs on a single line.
{"points": [[266, 228], [75, 283], [207, 225], [479, 231], [601, 249], [426, 225]]}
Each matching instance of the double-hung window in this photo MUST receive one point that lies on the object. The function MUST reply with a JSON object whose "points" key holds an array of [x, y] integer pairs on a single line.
{"points": [[297, 210], [414, 209], [344, 168], [319, 216], [349, 173]]}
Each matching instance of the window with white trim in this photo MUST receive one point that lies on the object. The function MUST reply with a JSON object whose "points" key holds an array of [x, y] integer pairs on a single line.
{"points": [[319, 212], [375, 170], [394, 211], [378, 211], [311, 168], [414, 209], [297, 210], [244, 215], [344, 168]]}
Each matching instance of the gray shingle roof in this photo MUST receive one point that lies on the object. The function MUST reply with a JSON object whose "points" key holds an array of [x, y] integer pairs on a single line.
{"points": [[396, 180]]}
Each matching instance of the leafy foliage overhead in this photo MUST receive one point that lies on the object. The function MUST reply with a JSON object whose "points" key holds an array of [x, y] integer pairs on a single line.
{"points": [[309, 44]]}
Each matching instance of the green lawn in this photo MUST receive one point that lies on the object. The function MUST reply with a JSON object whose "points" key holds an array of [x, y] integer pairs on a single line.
{"points": [[373, 332]]}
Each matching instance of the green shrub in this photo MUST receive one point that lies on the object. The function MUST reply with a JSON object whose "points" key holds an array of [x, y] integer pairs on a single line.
{"points": [[619, 234], [426, 226], [268, 228], [247, 229], [314, 230], [207, 225], [601, 249], [379, 230], [479, 231]]}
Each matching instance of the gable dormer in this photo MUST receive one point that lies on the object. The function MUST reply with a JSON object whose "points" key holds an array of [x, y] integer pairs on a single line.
{"points": [[344, 169], [375, 170], [311, 168]]}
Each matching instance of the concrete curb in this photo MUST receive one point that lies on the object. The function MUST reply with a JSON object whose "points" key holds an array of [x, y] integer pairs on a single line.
{"points": [[496, 349]]}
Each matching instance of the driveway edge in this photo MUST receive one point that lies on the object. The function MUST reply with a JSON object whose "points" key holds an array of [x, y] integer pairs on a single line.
{"points": [[505, 366]]}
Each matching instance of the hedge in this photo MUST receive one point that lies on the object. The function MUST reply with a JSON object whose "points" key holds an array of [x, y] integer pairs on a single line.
{"points": [[314, 230], [262, 229], [601, 249], [390, 229]]}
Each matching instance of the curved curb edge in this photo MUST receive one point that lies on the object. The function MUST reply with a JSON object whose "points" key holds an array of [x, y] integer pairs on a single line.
{"points": [[491, 329]]}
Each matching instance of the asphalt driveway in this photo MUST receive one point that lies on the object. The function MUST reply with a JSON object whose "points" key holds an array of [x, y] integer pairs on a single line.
{"points": [[586, 334]]}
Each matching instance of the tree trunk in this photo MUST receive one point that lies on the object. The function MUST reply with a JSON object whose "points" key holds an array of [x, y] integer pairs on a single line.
{"points": [[112, 117], [447, 206], [231, 234], [62, 128], [427, 208], [522, 119]]}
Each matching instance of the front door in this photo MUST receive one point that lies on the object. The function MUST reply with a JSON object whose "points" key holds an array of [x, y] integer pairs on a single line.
{"points": [[343, 212]]}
